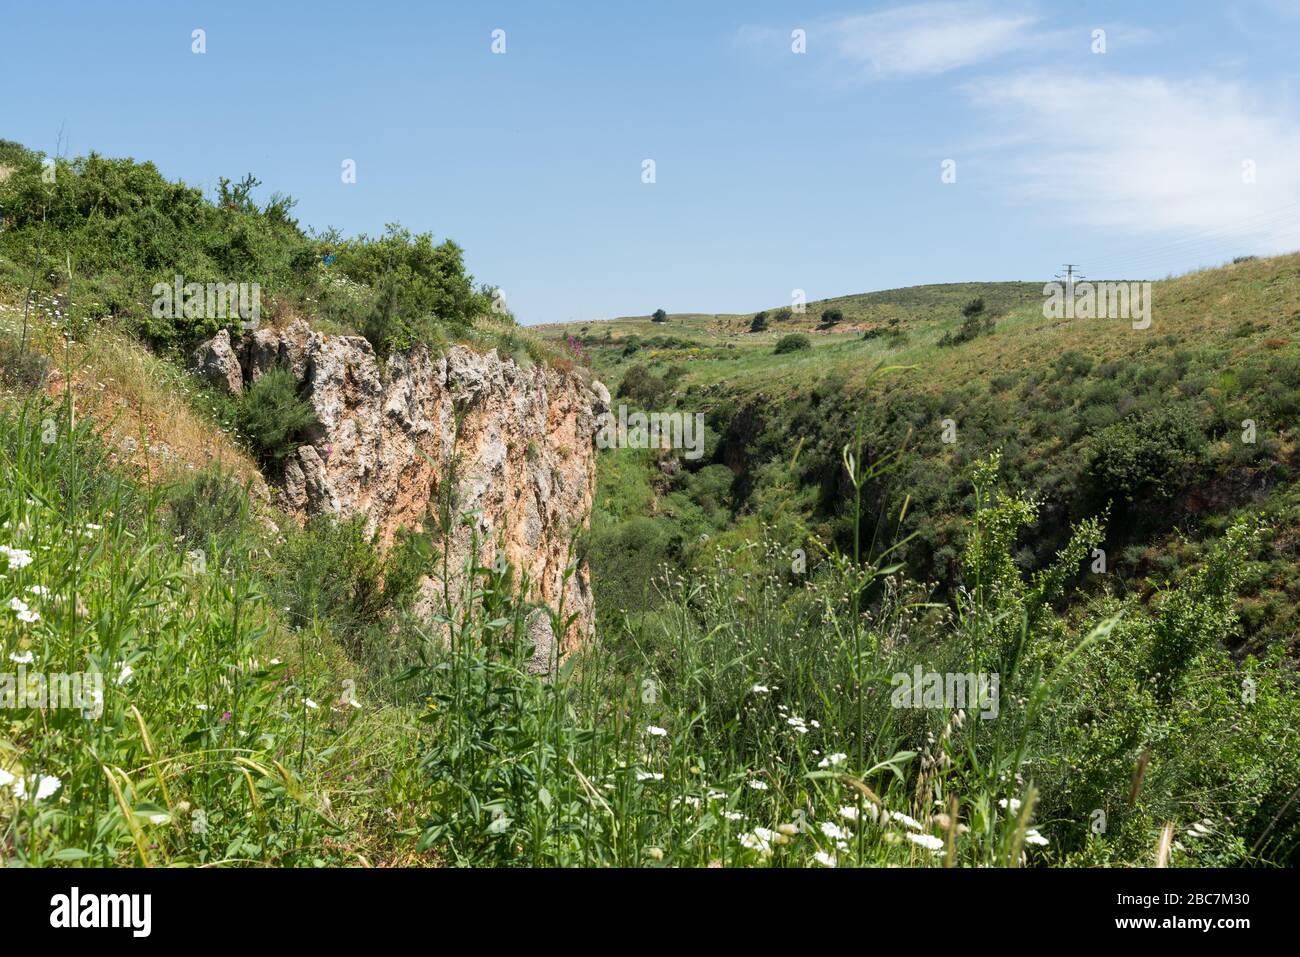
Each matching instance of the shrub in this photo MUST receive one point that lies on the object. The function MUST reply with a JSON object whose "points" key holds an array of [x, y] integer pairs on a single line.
{"points": [[1147, 455], [421, 291], [794, 342], [759, 323], [273, 417], [644, 387], [659, 316]]}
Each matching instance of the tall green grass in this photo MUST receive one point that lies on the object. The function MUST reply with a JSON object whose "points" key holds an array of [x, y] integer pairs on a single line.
{"points": [[747, 720]]}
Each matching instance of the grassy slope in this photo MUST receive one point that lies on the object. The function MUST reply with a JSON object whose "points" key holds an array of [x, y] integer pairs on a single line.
{"points": [[1223, 341], [153, 417], [1203, 307]]}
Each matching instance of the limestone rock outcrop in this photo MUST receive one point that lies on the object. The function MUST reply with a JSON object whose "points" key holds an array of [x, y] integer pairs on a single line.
{"points": [[516, 443]]}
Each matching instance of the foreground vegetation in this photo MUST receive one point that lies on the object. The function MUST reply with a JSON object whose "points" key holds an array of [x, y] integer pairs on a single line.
{"points": [[258, 710]]}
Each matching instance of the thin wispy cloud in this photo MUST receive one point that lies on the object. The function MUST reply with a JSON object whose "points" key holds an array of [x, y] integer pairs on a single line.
{"points": [[932, 38], [1151, 154]]}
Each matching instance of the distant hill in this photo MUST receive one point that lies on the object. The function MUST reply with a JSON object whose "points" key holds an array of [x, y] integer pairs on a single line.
{"points": [[1088, 413]]}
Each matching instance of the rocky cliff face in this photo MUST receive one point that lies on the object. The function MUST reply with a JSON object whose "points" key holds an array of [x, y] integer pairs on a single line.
{"points": [[516, 443]]}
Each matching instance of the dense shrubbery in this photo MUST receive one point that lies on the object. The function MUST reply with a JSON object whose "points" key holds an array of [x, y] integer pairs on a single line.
{"points": [[124, 228]]}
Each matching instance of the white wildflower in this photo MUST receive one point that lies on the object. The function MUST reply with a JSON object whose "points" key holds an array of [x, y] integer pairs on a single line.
{"points": [[18, 557], [906, 821], [46, 785], [834, 832], [928, 841]]}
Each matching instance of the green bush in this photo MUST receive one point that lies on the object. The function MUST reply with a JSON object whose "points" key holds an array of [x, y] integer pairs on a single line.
{"points": [[794, 342], [273, 417], [1150, 455], [208, 510], [421, 292], [644, 387]]}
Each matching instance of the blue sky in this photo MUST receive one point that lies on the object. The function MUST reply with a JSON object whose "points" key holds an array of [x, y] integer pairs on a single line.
{"points": [[774, 171]]}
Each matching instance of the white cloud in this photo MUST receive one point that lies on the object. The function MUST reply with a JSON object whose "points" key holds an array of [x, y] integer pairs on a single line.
{"points": [[1147, 155], [931, 38]]}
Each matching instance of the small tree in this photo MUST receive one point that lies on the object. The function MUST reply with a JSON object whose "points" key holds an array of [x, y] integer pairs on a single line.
{"points": [[831, 317], [659, 316], [760, 322]]}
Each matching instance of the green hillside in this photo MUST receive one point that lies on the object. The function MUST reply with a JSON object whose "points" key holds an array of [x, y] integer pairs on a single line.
{"points": [[1090, 415]]}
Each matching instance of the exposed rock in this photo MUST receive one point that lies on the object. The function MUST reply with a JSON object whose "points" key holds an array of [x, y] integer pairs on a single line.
{"points": [[542, 637], [216, 361], [518, 443], [600, 401]]}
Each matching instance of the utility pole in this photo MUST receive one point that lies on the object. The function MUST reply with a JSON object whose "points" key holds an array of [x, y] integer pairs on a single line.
{"points": [[1069, 276]]}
